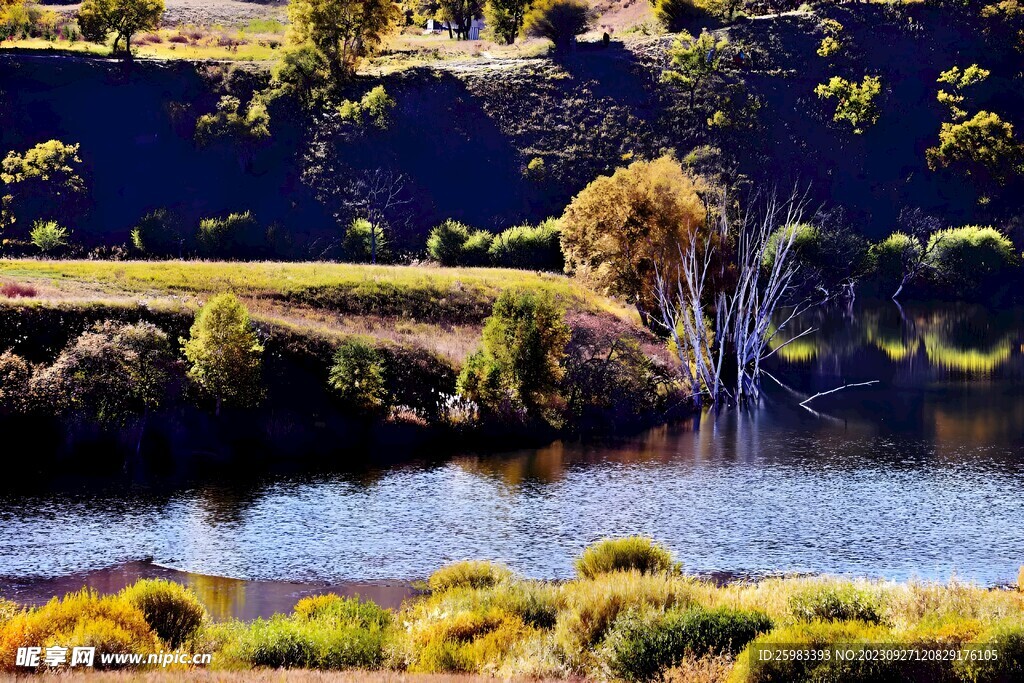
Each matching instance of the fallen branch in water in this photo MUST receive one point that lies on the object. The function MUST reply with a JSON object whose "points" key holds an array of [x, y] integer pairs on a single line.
{"points": [[803, 404]]}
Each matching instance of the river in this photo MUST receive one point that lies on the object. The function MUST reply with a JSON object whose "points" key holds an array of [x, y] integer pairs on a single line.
{"points": [[919, 475]]}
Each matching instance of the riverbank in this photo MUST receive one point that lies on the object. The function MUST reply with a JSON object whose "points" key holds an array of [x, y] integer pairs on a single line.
{"points": [[419, 324], [629, 614]]}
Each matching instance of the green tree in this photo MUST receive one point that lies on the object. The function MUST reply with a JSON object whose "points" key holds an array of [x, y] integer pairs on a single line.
{"points": [[158, 233], [123, 18], [519, 365], [982, 145], [460, 15], [560, 21], [44, 183], [359, 378], [342, 31], [505, 17], [229, 236], [970, 258], [249, 124], [855, 103], [694, 61], [959, 80], [619, 229], [446, 242], [112, 373], [365, 241], [48, 236], [897, 261], [225, 356], [374, 109]]}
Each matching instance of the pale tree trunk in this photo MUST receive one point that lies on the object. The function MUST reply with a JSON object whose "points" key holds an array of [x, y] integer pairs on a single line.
{"points": [[742, 316]]}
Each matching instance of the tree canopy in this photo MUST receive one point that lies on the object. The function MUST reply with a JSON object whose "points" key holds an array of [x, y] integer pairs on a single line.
{"points": [[44, 183], [619, 229], [123, 18], [342, 31], [225, 355]]}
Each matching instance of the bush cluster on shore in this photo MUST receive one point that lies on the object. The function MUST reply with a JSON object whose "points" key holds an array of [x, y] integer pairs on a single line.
{"points": [[631, 619], [542, 363]]}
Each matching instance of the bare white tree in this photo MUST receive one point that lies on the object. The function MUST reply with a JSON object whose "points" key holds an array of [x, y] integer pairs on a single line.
{"points": [[742, 317]]}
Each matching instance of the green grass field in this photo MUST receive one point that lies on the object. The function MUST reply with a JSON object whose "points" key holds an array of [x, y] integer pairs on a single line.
{"points": [[340, 284], [440, 309]]}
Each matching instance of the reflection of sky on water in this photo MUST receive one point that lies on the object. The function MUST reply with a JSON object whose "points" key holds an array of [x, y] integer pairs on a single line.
{"points": [[919, 475]]}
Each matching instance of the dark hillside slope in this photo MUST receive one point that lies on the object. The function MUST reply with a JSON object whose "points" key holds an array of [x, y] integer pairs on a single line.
{"points": [[134, 128], [464, 133]]}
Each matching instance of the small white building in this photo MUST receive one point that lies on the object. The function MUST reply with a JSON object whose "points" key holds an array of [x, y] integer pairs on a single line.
{"points": [[436, 26]]}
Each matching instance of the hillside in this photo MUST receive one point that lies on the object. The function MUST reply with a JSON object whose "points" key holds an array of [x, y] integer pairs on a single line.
{"points": [[464, 130]]}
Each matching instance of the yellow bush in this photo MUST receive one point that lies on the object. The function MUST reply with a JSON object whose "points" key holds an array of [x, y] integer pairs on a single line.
{"points": [[8, 609], [471, 574], [620, 554], [109, 623], [171, 610], [466, 642], [1020, 579], [590, 606]]}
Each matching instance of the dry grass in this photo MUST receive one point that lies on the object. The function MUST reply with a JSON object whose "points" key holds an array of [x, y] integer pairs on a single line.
{"points": [[259, 676]]}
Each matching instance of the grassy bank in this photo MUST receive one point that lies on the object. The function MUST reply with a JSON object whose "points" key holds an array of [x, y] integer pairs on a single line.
{"points": [[413, 326], [444, 295], [629, 615]]}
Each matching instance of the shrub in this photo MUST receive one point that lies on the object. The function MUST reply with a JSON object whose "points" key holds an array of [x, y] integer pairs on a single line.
{"points": [[12, 290], [468, 574], [476, 251], [805, 245], [674, 15], [590, 606], [231, 120], [621, 554], [48, 236], [171, 610], [560, 21], [854, 637], [15, 373], [891, 258], [836, 603], [1008, 641], [455, 244], [358, 378], [374, 109], [227, 236], [970, 258], [525, 246], [446, 241], [1020, 579], [111, 373], [290, 642], [335, 610], [82, 619], [466, 642], [225, 355], [640, 649], [157, 233], [519, 365], [855, 103], [365, 241]]}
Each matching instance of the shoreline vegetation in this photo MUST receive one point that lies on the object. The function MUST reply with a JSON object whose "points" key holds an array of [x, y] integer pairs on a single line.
{"points": [[631, 613], [114, 364]]}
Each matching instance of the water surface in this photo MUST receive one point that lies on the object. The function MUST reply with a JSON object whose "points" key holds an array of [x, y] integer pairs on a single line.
{"points": [[918, 475]]}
